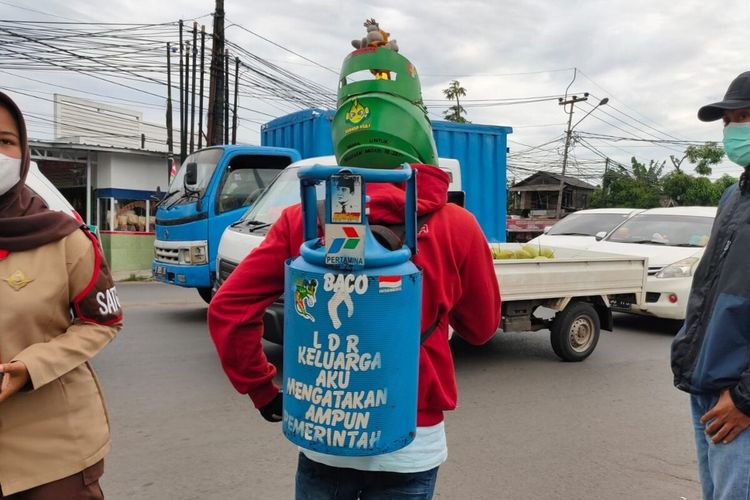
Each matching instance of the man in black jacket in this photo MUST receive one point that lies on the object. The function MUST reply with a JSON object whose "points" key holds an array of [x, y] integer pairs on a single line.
{"points": [[711, 353]]}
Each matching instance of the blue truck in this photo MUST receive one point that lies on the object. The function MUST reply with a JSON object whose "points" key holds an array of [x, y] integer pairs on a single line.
{"points": [[211, 190], [480, 149]]}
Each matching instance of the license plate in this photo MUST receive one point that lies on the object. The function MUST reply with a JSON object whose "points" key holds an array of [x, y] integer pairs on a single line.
{"points": [[160, 270], [620, 304]]}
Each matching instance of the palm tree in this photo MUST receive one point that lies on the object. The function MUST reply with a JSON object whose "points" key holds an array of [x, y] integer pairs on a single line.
{"points": [[454, 91]]}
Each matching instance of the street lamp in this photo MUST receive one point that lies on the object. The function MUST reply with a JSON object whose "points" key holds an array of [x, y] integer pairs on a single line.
{"points": [[573, 100]]}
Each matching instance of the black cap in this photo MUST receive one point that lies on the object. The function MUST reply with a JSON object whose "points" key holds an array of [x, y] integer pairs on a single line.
{"points": [[737, 97]]}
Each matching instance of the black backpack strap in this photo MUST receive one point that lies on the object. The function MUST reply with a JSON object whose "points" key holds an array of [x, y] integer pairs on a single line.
{"points": [[387, 236], [430, 330], [392, 235]]}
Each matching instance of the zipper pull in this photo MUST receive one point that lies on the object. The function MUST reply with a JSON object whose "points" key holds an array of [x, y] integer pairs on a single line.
{"points": [[726, 248]]}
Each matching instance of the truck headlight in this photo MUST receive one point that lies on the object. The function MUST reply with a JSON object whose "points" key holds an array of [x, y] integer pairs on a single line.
{"points": [[184, 256], [198, 254], [680, 269]]}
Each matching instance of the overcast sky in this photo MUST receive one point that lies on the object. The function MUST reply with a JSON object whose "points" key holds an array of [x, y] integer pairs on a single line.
{"points": [[657, 61]]}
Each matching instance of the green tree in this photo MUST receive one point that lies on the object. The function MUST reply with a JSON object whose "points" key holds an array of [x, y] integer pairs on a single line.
{"points": [[640, 188], [720, 185], [701, 192], [676, 184], [650, 175], [703, 157], [454, 92], [685, 189]]}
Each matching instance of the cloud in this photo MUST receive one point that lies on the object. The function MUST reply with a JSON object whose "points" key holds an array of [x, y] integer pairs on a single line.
{"points": [[656, 63]]}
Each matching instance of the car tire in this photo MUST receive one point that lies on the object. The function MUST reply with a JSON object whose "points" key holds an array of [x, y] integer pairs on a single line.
{"points": [[206, 294], [575, 332]]}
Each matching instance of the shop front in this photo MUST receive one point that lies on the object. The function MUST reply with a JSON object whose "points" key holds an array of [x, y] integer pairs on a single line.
{"points": [[115, 189]]}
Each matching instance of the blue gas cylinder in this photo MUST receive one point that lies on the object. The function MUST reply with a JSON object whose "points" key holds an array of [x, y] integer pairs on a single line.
{"points": [[351, 324]]}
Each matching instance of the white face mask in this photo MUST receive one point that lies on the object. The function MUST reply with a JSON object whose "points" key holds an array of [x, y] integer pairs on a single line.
{"points": [[10, 173]]}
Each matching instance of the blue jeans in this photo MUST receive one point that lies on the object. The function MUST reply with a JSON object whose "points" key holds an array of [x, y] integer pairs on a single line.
{"points": [[724, 469], [316, 481]]}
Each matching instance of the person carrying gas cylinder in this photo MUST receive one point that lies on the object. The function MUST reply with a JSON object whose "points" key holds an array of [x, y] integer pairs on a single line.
{"points": [[380, 124]]}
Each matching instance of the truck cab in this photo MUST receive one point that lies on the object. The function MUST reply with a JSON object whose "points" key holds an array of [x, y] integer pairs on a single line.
{"points": [[247, 233], [212, 189]]}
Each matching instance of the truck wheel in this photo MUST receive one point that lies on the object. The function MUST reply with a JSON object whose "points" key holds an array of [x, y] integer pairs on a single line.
{"points": [[575, 332], [205, 294]]}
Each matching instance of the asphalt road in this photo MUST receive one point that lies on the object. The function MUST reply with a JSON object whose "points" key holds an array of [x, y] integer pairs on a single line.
{"points": [[528, 426]]}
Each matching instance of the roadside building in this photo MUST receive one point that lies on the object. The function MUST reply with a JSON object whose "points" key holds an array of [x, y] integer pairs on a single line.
{"points": [[533, 203], [112, 167]]}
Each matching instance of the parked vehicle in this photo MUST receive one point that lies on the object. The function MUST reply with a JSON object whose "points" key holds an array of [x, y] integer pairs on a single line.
{"points": [[573, 289], [673, 240], [579, 229], [212, 189], [480, 150], [37, 182]]}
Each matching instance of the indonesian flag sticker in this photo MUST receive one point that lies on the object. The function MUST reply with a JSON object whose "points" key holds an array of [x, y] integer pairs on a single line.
{"points": [[389, 284]]}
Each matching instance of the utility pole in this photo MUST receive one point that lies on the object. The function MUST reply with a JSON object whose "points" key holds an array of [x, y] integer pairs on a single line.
{"points": [[226, 96], [604, 181], [183, 108], [200, 99], [186, 129], [192, 89], [170, 138], [216, 80], [236, 89], [572, 101]]}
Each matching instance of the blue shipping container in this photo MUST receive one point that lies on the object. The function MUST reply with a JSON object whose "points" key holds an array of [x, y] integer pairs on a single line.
{"points": [[481, 150]]}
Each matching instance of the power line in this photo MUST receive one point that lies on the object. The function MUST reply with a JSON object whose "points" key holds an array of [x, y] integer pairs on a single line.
{"points": [[611, 95], [282, 47]]}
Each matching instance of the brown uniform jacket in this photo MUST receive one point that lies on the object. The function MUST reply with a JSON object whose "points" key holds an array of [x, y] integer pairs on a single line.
{"points": [[58, 308]]}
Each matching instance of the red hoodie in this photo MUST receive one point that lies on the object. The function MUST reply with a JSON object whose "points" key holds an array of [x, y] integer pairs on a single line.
{"points": [[459, 287]]}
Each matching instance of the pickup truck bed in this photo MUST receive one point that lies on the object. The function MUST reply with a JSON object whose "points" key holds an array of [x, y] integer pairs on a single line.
{"points": [[568, 294]]}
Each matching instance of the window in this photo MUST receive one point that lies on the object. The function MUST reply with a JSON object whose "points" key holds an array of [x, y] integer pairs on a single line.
{"points": [[125, 210], [245, 178], [665, 229]]}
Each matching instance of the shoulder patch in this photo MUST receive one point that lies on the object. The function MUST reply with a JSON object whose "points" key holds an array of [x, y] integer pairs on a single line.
{"points": [[98, 302]]}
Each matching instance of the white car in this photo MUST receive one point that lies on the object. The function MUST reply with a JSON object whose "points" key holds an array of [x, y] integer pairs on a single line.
{"points": [[579, 229], [674, 240], [37, 182]]}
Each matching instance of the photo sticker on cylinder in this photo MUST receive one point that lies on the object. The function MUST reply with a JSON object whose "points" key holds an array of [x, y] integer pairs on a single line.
{"points": [[346, 198]]}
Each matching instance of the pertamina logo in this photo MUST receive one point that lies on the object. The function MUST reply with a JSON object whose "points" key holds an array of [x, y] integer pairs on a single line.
{"points": [[350, 242], [345, 245]]}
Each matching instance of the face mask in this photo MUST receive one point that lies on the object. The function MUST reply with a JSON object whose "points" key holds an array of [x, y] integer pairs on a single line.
{"points": [[737, 143], [10, 173]]}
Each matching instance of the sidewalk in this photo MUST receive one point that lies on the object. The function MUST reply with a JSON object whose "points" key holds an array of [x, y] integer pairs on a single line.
{"points": [[143, 275]]}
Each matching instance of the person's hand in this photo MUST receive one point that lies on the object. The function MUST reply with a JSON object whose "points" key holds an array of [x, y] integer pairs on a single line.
{"points": [[272, 411], [726, 422], [15, 377]]}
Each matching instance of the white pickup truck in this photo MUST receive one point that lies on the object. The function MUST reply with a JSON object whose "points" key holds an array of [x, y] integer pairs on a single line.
{"points": [[569, 295]]}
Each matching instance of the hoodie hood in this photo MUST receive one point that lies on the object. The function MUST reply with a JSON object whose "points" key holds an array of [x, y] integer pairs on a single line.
{"points": [[387, 201]]}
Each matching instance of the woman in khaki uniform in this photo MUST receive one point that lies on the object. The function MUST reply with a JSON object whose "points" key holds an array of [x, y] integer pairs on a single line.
{"points": [[58, 308]]}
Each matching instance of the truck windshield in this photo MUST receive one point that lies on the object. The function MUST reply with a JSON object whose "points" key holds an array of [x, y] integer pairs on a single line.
{"points": [[283, 192], [206, 161]]}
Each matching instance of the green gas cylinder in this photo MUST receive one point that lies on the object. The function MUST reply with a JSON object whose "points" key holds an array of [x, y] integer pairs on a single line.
{"points": [[381, 121]]}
